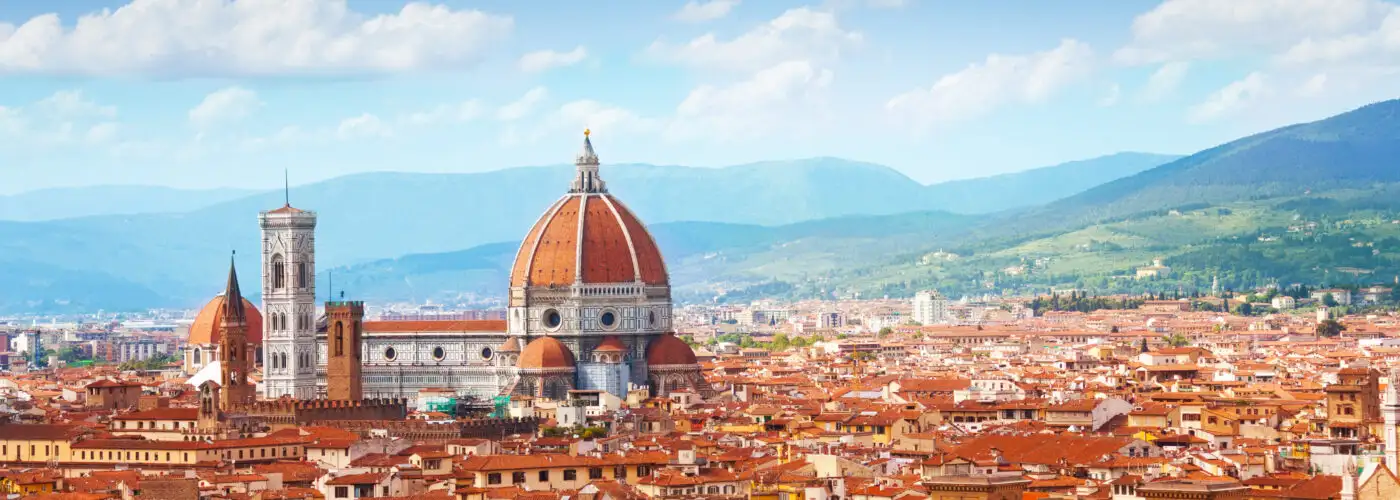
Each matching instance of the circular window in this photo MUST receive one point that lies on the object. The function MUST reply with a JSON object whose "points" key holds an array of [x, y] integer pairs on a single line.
{"points": [[609, 319], [552, 319], [439, 353], [486, 353], [390, 353]]}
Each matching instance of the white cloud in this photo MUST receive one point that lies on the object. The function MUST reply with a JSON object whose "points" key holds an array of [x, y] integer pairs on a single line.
{"points": [[362, 127], [696, 11], [777, 97], [999, 80], [522, 107], [575, 116], [542, 60], [227, 104], [1111, 99], [249, 37], [72, 103], [1231, 98], [66, 117], [1315, 85], [102, 132], [447, 113], [797, 34], [1198, 29], [1165, 80], [887, 4]]}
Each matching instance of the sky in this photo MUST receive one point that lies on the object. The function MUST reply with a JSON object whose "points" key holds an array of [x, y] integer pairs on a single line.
{"points": [[230, 93]]}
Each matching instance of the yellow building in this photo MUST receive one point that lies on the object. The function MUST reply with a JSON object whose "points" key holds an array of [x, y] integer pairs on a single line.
{"points": [[37, 444]]}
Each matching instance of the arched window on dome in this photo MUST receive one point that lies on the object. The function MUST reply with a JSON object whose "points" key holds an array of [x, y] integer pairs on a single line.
{"points": [[197, 359], [339, 339], [279, 272]]}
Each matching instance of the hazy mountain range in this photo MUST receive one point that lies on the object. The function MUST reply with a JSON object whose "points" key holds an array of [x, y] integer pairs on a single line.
{"points": [[803, 228], [174, 257]]}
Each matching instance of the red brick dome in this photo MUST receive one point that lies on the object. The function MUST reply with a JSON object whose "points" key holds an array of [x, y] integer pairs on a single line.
{"points": [[588, 236], [205, 329], [669, 350], [611, 247], [546, 353]]}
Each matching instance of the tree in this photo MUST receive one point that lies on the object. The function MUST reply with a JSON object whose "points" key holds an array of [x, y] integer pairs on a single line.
{"points": [[1176, 340], [884, 332], [1330, 328], [72, 354], [1328, 300], [780, 342]]}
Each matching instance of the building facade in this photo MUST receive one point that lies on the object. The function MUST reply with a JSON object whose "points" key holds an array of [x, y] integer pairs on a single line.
{"points": [[589, 308], [930, 308]]}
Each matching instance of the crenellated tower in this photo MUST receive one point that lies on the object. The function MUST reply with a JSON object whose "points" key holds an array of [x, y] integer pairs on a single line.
{"points": [[289, 302], [344, 329]]}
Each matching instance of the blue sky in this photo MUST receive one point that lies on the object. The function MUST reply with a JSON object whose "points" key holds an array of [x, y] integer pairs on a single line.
{"points": [[229, 93]]}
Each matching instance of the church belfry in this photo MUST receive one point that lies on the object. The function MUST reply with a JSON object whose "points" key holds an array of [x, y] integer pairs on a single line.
{"points": [[289, 302], [234, 350]]}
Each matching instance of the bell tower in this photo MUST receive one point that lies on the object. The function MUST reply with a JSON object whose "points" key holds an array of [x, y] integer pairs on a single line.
{"points": [[344, 330], [235, 356], [289, 302]]}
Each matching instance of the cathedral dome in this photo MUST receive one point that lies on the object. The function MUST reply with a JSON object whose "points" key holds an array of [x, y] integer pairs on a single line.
{"points": [[546, 353], [205, 329], [588, 237], [510, 345], [669, 350]]}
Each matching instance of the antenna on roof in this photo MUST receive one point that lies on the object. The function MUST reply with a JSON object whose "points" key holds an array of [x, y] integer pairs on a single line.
{"points": [[330, 284], [286, 187]]}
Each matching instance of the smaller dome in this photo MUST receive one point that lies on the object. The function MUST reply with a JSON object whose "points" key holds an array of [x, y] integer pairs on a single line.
{"points": [[205, 329], [669, 350], [546, 353], [610, 344], [510, 345]]}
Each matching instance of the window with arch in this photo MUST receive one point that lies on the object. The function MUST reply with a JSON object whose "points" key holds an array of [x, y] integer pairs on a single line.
{"points": [[339, 339], [279, 272], [301, 274]]}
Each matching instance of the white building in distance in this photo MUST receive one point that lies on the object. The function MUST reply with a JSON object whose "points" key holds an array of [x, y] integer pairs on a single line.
{"points": [[930, 308]]}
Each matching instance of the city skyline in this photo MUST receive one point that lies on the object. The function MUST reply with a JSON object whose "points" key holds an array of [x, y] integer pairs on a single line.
{"points": [[937, 90]]}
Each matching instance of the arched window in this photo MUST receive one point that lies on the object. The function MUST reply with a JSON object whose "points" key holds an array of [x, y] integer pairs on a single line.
{"points": [[279, 272], [197, 359], [301, 275], [339, 339]]}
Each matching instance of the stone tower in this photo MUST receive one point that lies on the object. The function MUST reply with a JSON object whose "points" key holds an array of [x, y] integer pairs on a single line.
{"points": [[235, 356], [1390, 414], [289, 302], [344, 329], [209, 414]]}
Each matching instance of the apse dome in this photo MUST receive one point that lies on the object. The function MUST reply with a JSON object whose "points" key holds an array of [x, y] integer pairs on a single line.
{"points": [[205, 329], [546, 353]]}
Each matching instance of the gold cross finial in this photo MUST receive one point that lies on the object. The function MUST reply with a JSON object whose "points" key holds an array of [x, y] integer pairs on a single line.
{"points": [[585, 132]]}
